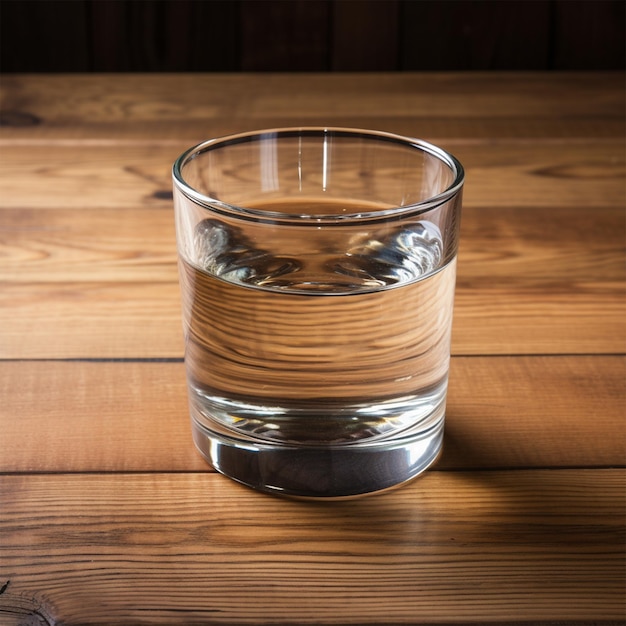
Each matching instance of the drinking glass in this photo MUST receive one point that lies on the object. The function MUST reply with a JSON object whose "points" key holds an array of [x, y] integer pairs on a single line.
{"points": [[317, 271]]}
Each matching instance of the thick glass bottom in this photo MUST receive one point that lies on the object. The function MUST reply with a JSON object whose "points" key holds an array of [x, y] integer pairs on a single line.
{"points": [[323, 472]]}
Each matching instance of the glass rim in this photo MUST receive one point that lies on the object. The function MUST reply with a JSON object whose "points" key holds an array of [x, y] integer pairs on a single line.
{"points": [[244, 212]]}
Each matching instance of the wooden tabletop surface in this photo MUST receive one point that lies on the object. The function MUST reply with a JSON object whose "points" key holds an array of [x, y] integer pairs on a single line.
{"points": [[108, 515]]}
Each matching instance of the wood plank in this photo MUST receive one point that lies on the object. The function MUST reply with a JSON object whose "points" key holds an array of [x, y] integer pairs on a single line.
{"points": [[539, 281], [505, 547], [535, 247], [107, 320], [143, 320], [95, 416], [70, 245], [534, 280], [558, 323], [508, 174], [132, 416], [19, 127], [193, 107], [83, 176], [133, 97]]}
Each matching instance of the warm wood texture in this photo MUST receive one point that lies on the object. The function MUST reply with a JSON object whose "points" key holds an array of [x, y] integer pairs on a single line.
{"points": [[187, 108], [542, 546], [502, 412], [107, 513], [581, 174], [530, 280]]}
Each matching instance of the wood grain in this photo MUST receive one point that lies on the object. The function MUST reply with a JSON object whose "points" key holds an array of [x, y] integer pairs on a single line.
{"points": [[193, 107], [108, 513], [536, 280], [533, 247], [132, 416], [97, 320], [509, 174], [126, 245], [198, 549], [143, 320]]}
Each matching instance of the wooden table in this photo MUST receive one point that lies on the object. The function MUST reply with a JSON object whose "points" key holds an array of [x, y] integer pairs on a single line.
{"points": [[109, 516]]}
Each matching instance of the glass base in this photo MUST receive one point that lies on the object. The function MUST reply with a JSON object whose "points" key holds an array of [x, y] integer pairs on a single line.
{"points": [[324, 472]]}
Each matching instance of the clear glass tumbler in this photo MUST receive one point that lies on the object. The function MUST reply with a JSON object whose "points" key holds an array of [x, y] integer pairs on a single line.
{"points": [[317, 270]]}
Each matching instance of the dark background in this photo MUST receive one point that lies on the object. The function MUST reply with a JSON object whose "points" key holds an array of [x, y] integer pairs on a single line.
{"points": [[310, 35]]}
